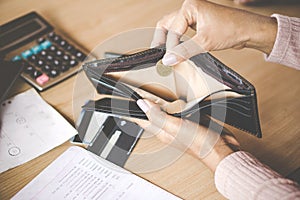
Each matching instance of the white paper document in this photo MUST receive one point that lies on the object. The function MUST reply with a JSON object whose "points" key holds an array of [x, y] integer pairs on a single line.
{"points": [[29, 127], [80, 174]]}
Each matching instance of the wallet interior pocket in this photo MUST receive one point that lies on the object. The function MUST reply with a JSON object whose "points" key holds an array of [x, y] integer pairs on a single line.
{"points": [[186, 81], [200, 85]]}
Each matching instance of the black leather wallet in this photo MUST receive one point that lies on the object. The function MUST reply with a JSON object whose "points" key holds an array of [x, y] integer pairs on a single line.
{"points": [[194, 89]]}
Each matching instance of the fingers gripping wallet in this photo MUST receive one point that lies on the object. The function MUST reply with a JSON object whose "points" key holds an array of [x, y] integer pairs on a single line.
{"points": [[199, 87]]}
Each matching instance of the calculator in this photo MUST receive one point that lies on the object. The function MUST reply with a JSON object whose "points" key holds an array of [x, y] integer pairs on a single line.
{"points": [[48, 57]]}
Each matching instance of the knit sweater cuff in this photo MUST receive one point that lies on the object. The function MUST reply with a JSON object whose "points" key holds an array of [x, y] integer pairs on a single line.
{"points": [[242, 176], [286, 48]]}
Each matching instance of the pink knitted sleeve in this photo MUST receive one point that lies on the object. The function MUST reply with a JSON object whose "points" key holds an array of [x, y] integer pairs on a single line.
{"points": [[286, 49], [241, 176]]}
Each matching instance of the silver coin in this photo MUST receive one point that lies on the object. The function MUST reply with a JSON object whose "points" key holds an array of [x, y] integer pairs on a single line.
{"points": [[163, 70]]}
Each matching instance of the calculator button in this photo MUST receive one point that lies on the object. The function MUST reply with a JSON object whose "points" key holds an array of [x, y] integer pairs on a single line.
{"points": [[46, 44], [59, 53], [71, 49], [51, 35], [36, 73], [49, 58], [56, 62], [79, 55], [56, 39], [73, 63], [53, 73], [47, 68], [40, 63], [16, 58], [26, 54], [29, 69], [41, 40], [42, 79], [33, 58], [43, 53], [36, 49], [66, 57], [53, 48], [64, 68], [63, 43]]}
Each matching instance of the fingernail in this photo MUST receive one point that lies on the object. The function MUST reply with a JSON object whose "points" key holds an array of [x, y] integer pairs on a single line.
{"points": [[169, 59], [143, 105]]}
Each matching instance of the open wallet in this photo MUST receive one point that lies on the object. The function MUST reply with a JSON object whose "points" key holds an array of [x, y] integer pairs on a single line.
{"points": [[195, 89]]}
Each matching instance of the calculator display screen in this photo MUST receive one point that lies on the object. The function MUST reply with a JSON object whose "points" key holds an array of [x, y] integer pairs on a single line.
{"points": [[19, 32], [22, 30]]}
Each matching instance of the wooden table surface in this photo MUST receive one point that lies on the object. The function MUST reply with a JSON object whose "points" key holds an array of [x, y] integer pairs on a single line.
{"points": [[92, 22]]}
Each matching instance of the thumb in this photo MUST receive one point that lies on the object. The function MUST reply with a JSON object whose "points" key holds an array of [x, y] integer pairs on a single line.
{"points": [[182, 52], [170, 124]]}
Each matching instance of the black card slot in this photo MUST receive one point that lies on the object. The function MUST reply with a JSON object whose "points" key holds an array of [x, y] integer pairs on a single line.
{"points": [[237, 107], [232, 108], [111, 86], [106, 88], [118, 107], [119, 86], [232, 115], [240, 105]]}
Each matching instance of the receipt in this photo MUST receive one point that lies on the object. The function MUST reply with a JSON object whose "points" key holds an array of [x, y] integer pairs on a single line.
{"points": [[29, 127]]}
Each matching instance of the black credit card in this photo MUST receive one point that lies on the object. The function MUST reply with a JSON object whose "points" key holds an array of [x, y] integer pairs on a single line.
{"points": [[115, 140]]}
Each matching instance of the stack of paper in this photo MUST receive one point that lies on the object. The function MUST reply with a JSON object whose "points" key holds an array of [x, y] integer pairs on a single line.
{"points": [[80, 174]]}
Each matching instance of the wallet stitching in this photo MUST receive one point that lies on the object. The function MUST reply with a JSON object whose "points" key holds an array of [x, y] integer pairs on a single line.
{"points": [[233, 109]]}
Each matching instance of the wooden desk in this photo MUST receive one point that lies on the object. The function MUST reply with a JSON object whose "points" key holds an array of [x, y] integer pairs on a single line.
{"points": [[91, 22]]}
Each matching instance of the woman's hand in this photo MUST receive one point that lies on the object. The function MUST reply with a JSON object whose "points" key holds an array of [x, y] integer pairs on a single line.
{"points": [[217, 27], [252, 2], [205, 144]]}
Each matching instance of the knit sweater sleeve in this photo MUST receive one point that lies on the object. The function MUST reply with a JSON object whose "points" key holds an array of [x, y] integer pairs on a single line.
{"points": [[241, 176], [286, 49]]}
